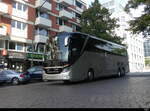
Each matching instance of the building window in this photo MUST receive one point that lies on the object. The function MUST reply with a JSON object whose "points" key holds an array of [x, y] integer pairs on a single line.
{"points": [[24, 8], [19, 46], [2, 43], [42, 31], [124, 35], [14, 4], [78, 4], [74, 27], [18, 25], [29, 48], [57, 21], [12, 45], [20, 6], [112, 10], [57, 7], [41, 48], [111, 3], [77, 15], [24, 26], [13, 23], [16, 46], [122, 19], [44, 15]]}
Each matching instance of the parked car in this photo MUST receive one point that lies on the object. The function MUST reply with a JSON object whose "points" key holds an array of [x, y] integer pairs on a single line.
{"points": [[10, 76], [35, 72], [2, 77]]}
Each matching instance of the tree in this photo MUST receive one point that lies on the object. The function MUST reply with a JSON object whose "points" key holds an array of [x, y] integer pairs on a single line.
{"points": [[140, 24], [96, 21]]}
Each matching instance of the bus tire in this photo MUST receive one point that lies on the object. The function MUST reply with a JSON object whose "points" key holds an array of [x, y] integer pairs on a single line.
{"points": [[123, 73], [90, 75], [119, 73]]}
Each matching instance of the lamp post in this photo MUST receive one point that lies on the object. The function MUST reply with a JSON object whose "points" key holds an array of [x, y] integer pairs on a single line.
{"points": [[34, 34]]}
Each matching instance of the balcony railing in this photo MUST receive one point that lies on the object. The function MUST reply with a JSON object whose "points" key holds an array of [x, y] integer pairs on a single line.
{"points": [[43, 22], [46, 6], [79, 9], [65, 14], [3, 8], [65, 28], [40, 38], [65, 2]]}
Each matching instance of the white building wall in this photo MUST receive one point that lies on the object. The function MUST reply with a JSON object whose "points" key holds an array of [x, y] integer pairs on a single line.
{"points": [[134, 42]]}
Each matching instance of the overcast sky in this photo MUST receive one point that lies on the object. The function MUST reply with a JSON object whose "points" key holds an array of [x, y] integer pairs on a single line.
{"points": [[88, 2], [135, 13]]}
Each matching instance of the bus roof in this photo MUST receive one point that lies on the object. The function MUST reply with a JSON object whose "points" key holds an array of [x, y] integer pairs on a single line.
{"points": [[94, 37]]}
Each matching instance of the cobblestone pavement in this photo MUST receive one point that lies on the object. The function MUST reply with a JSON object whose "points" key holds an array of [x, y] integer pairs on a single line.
{"points": [[131, 91]]}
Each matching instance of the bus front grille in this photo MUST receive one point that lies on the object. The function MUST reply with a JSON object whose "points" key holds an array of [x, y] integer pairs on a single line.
{"points": [[53, 70]]}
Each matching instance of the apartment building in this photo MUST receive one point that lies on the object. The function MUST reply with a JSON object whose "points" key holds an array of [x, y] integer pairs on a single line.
{"points": [[27, 23], [134, 43], [147, 53]]}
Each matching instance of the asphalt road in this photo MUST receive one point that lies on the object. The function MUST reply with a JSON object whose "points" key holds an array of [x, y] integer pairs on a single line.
{"points": [[131, 91]]}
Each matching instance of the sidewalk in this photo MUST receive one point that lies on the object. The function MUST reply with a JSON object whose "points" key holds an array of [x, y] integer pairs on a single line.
{"points": [[139, 73]]}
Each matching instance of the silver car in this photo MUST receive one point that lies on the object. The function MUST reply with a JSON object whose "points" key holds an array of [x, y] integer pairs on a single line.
{"points": [[13, 77]]}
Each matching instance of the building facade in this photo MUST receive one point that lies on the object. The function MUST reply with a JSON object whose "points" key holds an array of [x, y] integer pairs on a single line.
{"points": [[134, 43], [147, 53], [27, 25]]}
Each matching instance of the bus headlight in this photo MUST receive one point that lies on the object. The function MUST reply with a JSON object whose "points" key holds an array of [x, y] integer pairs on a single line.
{"points": [[67, 69]]}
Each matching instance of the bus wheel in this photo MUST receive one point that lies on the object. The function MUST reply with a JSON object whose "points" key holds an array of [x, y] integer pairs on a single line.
{"points": [[119, 73], [123, 72], [90, 75]]}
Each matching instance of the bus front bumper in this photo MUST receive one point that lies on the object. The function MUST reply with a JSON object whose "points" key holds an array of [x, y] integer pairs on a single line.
{"points": [[61, 76]]}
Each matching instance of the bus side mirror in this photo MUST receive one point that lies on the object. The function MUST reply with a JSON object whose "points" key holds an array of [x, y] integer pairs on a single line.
{"points": [[66, 41]]}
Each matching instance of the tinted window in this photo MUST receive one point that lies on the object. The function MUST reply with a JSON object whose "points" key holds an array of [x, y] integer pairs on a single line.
{"points": [[102, 46], [9, 72], [12, 45], [39, 69], [32, 69], [76, 45], [1, 72]]}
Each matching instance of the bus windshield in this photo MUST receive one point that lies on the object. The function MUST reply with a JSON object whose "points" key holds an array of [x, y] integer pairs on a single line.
{"points": [[62, 47], [68, 47]]}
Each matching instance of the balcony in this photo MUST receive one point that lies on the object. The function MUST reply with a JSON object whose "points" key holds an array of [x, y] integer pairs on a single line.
{"points": [[46, 6], [65, 14], [3, 30], [79, 9], [65, 2], [65, 28], [3, 8], [40, 38], [43, 22]]}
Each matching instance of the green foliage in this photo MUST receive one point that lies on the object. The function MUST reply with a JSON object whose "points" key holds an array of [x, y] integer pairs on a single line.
{"points": [[140, 24], [147, 61], [96, 21]]}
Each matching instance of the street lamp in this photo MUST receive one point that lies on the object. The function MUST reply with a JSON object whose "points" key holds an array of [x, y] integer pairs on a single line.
{"points": [[34, 34]]}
